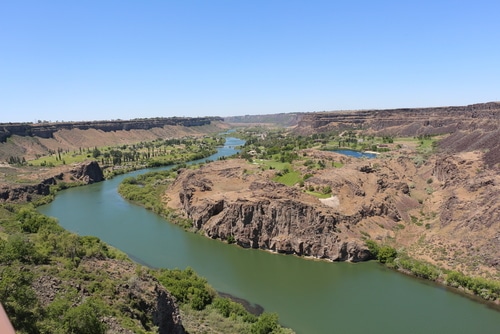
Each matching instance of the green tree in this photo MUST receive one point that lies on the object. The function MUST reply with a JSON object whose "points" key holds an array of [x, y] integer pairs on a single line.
{"points": [[96, 153]]}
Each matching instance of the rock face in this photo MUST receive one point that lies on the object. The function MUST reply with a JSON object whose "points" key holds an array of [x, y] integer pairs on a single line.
{"points": [[46, 130], [260, 213], [26, 192], [406, 122], [86, 173]]}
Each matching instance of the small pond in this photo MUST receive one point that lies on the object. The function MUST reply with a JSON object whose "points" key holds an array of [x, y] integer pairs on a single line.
{"points": [[356, 154]]}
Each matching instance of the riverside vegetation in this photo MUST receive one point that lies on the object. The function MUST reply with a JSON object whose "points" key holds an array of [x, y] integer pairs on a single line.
{"points": [[120, 159], [281, 152]]}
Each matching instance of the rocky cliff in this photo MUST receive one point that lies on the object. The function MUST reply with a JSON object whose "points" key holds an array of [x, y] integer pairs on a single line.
{"points": [[30, 141], [83, 173], [46, 130], [226, 203], [406, 121], [472, 127]]}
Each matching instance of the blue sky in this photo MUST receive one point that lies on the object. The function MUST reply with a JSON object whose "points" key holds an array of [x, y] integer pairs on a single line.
{"points": [[94, 60]]}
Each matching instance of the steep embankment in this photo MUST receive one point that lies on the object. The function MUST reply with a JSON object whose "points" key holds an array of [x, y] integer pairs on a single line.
{"points": [[273, 120], [30, 140], [232, 200]]}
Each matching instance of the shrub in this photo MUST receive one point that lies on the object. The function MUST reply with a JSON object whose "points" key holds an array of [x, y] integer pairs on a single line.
{"points": [[384, 254], [187, 287], [265, 324], [85, 319]]}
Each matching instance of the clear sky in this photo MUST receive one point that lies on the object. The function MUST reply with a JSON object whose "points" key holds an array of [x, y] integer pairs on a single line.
{"points": [[94, 60]]}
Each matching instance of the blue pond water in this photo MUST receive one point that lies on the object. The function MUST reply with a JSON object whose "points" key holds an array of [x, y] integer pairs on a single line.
{"points": [[356, 154]]}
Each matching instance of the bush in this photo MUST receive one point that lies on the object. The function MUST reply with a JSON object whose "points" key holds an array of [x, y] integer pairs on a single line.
{"points": [[18, 298], [372, 247], [84, 319], [384, 254], [419, 269], [187, 287], [265, 324], [18, 247], [228, 308], [486, 289]]}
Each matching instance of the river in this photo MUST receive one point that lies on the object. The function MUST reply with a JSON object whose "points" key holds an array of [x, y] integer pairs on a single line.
{"points": [[309, 296]]}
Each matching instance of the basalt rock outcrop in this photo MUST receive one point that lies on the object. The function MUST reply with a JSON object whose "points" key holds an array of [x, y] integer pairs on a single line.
{"points": [[46, 130], [31, 141], [88, 172], [25, 193], [471, 127], [406, 121], [256, 212], [83, 173]]}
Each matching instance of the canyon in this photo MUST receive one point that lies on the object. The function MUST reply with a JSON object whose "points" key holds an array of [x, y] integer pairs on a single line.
{"points": [[441, 208]]}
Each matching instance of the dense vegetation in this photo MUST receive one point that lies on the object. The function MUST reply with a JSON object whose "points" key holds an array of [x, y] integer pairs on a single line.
{"points": [[33, 247], [147, 189]]}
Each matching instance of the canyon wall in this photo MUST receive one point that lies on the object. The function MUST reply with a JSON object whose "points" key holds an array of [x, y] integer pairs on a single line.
{"points": [[405, 121], [46, 130], [472, 127]]}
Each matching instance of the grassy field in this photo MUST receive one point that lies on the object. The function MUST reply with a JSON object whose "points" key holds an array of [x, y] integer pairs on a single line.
{"points": [[289, 179]]}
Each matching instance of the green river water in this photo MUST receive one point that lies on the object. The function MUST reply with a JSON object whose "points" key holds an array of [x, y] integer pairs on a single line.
{"points": [[309, 296]]}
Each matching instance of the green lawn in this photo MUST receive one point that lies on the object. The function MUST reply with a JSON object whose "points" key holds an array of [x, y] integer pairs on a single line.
{"points": [[289, 179], [66, 158]]}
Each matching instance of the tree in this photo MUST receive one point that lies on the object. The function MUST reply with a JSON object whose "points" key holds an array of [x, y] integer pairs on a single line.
{"points": [[96, 153]]}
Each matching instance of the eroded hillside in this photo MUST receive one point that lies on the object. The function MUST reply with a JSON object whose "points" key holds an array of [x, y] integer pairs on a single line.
{"points": [[444, 211]]}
